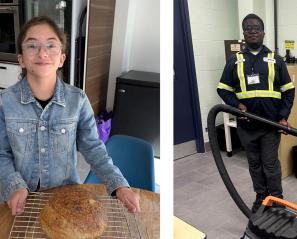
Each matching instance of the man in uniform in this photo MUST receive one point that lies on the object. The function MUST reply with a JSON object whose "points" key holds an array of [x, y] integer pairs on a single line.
{"points": [[257, 80]]}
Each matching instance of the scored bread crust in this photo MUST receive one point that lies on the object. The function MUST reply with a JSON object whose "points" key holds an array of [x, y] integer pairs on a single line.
{"points": [[73, 213]]}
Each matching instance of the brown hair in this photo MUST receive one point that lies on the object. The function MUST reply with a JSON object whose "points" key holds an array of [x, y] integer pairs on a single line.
{"points": [[35, 21]]}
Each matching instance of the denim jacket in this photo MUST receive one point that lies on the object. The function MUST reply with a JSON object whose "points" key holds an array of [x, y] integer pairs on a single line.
{"points": [[37, 143]]}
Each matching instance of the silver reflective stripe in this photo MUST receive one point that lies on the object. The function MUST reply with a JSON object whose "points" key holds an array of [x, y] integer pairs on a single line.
{"points": [[240, 71], [271, 70], [225, 87], [259, 93], [239, 61], [287, 87]]}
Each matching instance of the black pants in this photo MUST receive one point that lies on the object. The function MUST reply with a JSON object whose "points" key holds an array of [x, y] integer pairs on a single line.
{"points": [[261, 148]]}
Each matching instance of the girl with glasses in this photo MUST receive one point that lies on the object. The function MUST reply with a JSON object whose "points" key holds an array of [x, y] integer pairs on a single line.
{"points": [[44, 121]]}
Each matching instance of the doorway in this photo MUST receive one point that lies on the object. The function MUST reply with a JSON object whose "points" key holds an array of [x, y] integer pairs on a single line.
{"points": [[187, 116]]}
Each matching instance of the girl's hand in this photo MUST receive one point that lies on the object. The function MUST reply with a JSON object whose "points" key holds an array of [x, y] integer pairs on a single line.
{"points": [[129, 199], [17, 201]]}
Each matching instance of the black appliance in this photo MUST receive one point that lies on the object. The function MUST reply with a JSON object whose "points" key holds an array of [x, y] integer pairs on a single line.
{"points": [[11, 19], [137, 107], [58, 10], [9, 2]]}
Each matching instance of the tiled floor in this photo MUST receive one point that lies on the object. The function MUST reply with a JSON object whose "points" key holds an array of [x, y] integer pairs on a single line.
{"points": [[202, 200]]}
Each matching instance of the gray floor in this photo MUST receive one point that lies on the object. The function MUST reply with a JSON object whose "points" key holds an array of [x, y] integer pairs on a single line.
{"points": [[201, 199]]}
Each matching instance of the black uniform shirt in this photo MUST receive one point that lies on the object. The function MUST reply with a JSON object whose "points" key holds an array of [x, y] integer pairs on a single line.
{"points": [[267, 107]]}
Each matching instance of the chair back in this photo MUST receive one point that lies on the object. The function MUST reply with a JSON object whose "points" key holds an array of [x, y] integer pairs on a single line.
{"points": [[134, 157]]}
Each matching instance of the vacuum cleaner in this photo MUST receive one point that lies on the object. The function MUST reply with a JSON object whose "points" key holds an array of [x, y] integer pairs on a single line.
{"points": [[276, 218]]}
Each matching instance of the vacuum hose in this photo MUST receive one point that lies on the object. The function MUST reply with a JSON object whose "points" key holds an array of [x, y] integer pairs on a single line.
{"points": [[216, 150]]}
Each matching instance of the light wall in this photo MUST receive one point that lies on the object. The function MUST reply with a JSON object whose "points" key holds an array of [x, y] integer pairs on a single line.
{"points": [[269, 24], [212, 22], [136, 40], [145, 36], [287, 24]]}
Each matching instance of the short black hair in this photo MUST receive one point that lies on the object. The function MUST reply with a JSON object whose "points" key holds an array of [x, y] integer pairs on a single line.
{"points": [[253, 16]]}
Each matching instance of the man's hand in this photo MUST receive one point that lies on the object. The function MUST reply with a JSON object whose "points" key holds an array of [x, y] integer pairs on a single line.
{"points": [[129, 199], [285, 123], [242, 108], [17, 201]]}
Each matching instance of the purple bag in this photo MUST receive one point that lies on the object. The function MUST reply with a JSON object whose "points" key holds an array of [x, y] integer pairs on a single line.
{"points": [[103, 122]]}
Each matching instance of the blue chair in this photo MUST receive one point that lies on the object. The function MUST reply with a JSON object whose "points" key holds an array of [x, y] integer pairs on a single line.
{"points": [[134, 157]]}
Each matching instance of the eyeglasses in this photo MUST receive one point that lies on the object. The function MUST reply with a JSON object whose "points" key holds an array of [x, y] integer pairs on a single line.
{"points": [[254, 28], [33, 48]]}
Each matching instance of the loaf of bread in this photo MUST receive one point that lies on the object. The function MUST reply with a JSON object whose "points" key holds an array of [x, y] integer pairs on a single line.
{"points": [[73, 213]]}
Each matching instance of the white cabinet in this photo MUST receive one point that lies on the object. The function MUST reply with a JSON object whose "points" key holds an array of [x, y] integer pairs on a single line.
{"points": [[228, 123], [9, 74]]}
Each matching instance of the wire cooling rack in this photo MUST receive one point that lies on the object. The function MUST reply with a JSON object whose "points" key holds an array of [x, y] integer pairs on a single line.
{"points": [[27, 224], [121, 223]]}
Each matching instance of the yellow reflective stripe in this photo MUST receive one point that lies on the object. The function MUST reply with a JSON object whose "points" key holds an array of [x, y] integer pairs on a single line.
{"points": [[271, 71], [240, 72], [286, 87], [225, 87], [259, 93]]}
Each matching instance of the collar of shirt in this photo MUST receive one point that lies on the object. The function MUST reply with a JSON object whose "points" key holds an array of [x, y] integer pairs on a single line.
{"points": [[263, 50], [27, 96]]}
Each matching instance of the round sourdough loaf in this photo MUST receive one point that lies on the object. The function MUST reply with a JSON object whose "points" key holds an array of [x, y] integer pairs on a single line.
{"points": [[73, 213]]}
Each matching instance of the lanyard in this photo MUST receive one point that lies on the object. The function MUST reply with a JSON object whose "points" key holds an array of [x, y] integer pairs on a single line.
{"points": [[252, 60]]}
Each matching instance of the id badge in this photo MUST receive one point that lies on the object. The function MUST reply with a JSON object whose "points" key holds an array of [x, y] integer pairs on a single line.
{"points": [[253, 79]]}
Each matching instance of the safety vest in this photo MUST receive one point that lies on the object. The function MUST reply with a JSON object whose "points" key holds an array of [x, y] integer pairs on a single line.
{"points": [[269, 93]]}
